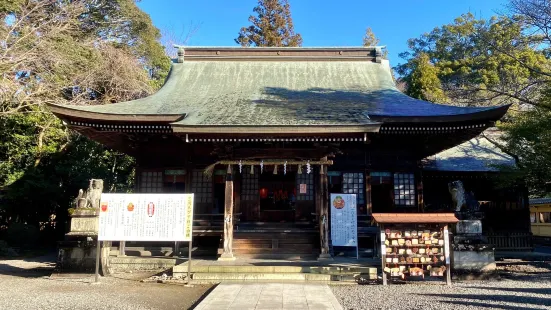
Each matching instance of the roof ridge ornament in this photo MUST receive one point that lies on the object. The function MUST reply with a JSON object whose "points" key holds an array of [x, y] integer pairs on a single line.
{"points": [[379, 53], [181, 53]]}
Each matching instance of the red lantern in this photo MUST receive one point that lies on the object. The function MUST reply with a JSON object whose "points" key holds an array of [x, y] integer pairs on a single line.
{"points": [[263, 193]]}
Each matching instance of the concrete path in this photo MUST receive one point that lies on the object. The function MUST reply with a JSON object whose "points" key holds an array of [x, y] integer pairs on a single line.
{"points": [[292, 296]]}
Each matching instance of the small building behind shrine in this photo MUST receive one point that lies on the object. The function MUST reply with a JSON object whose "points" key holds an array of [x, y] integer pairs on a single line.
{"points": [[284, 128]]}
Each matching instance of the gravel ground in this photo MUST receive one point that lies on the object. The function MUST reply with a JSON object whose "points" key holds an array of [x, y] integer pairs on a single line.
{"points": [[522, 286], [26, 284]]}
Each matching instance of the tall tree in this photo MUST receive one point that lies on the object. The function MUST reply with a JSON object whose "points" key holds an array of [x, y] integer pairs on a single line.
{"points": [[503, 60], [66, 52], [369, 38], [272, 26], [423, 82]]}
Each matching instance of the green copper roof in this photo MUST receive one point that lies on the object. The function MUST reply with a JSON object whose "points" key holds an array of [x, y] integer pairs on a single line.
{"points": [[250, 92]]}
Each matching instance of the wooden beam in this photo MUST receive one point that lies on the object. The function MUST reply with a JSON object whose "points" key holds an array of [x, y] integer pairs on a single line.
{"points": [[228, 220]]}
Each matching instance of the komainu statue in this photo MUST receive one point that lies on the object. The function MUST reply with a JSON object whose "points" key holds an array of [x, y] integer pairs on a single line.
{"points": [[457, 192], [91, 197]]}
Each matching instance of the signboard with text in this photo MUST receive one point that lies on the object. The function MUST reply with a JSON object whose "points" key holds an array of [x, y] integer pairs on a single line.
{"points": [[344, 221], [146, 217]]}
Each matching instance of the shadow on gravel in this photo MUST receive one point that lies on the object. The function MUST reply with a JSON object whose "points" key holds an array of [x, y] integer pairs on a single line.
{"points": [[481, 305], [9, 270], [196, 303], [516, 289], [28, 267], [523, 300]]}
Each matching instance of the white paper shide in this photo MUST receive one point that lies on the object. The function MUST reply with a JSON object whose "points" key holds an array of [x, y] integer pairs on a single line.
{"points": [[146, 217]]}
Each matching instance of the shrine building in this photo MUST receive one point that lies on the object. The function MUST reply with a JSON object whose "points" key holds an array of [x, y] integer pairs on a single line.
{"points": [[262, 136]]}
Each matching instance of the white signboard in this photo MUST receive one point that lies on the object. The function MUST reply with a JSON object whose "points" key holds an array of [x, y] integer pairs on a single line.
{"points": [[146, 217], [344, 225]]}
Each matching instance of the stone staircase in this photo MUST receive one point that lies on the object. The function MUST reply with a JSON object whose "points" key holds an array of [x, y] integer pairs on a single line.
{"points": [[275, 241], [276, 271]]}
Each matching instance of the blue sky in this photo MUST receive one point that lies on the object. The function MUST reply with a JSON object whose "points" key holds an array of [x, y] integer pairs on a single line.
{"points": [[320, 22]]}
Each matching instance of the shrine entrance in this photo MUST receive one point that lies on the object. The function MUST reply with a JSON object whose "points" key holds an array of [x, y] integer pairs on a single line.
{"points": [[277, 197]]}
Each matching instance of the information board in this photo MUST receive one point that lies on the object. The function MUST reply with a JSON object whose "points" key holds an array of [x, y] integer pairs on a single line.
{"points": [[146, 217], [344, 220]]}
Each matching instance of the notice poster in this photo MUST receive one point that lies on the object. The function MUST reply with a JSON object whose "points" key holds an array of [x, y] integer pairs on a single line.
{"points": [[146, 217], [344, 225]]}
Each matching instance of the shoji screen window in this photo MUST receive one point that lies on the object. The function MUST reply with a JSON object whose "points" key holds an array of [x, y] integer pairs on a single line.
{"points": [[202, 187], [404, 190], [151, 182]]}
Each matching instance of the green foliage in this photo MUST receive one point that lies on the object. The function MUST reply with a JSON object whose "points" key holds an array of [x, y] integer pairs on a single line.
{"points": [[273, 26], [503, 60], [423, 82], [369, 38], [122, 22], [476, 61], [74, 52]]}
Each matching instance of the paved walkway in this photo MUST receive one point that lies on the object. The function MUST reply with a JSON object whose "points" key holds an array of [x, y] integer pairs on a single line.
{"points": [[292, 296]]}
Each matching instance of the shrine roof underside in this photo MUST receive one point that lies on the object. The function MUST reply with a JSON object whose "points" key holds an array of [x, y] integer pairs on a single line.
{"points": [[279, 87]]}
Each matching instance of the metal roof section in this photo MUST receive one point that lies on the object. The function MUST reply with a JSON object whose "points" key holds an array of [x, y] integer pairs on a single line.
{"points": [[281, 87], [475, 155]]}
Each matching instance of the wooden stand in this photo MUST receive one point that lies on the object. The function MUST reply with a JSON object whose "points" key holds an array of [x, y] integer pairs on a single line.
{"points": [[403, 252]]}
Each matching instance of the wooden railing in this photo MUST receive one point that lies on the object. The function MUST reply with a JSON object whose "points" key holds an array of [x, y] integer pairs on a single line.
{"points": [[513, 241]]}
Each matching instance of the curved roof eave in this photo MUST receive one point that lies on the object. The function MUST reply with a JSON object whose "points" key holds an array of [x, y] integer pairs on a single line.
{"points": [[75, 113], [480, 114]]}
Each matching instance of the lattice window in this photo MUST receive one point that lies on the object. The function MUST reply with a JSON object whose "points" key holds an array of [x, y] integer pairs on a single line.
{"points": [[353, 183], [404, 189], [151, 182], [307, 180], [202, 187], [249, 185]]}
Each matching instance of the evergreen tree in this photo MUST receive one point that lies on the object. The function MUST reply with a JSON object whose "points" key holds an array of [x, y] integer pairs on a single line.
{"points": [[503, 60], [66, 52], [423, 82], [272, 26], [369, 38]]}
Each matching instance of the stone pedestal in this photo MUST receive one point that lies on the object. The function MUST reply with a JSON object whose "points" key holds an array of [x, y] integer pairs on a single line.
{"points": [[77, 253], [474, 261], [472, 254], [84, 222]]}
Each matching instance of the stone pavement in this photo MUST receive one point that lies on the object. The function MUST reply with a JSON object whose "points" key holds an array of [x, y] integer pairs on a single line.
{"points": [[295, 296]]}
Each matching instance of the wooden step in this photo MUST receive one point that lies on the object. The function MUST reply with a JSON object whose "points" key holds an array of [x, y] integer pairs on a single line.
{"points": [[238, 251]]}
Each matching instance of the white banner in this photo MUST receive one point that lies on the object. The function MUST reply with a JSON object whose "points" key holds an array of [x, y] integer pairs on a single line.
{"points": [[344, 220], [146, 217]]}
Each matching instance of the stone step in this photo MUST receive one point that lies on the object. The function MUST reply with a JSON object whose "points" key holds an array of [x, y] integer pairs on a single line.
{"points": [[341, 270], [218, 277], [141, 263], [162, 251], [258, 240], [292, 250]]}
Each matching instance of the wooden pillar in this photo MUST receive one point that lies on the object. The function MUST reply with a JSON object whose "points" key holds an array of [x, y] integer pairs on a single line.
{"points": [[368, 204], [447, 255], [383, 252], [228, 220], [323, 192], [420, 202]]}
